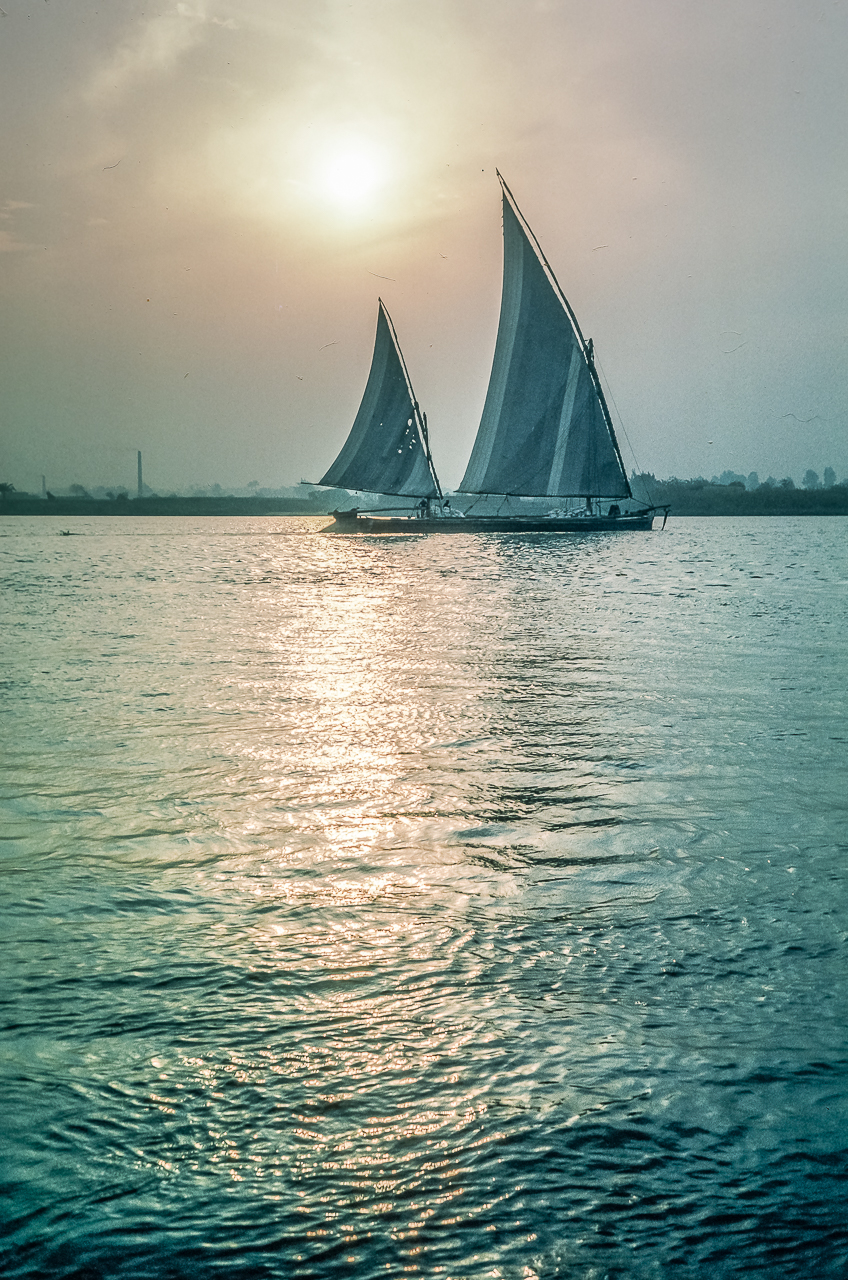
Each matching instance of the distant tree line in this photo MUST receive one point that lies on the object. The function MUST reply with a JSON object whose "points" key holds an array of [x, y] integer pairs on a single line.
{"points": [[752, 481], [734, 494]]}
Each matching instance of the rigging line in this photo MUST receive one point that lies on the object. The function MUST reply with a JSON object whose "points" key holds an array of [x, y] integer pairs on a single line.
{"points": [[419, 417], [621, 425], [623, 429], [588, 355], [429, 455]]}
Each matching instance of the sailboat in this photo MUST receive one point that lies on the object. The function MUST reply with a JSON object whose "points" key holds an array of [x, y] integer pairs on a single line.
{"points": [[545, 433]]}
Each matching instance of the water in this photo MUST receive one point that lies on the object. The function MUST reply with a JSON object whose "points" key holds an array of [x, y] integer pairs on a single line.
{"points": [[462, 906]]}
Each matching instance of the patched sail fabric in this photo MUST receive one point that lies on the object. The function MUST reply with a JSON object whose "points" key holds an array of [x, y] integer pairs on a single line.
{"points": [[543, 431], [384, 452]]}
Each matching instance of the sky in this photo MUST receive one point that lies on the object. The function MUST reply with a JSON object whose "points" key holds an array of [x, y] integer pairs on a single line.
{"points": [[201, 202]]}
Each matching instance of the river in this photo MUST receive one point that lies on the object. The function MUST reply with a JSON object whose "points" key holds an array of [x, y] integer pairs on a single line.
{"points": [[471, 905]]}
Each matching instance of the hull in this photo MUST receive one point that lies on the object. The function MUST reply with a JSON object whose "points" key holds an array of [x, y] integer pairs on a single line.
{"points": [[360, 522]]}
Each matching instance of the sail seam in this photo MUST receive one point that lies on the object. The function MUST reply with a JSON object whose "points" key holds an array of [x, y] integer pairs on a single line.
{"points": [[555, 479], [513, 284]]}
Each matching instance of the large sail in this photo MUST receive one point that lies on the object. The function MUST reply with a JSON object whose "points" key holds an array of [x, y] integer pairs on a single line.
{"points": [[544, 429], [386, 450]]}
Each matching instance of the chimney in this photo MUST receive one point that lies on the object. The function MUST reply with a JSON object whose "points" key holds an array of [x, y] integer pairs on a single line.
{"points": [[139, 473]]}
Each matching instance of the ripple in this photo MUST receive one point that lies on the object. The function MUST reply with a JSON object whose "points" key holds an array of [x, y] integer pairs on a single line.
{"points": [[468, 906]]}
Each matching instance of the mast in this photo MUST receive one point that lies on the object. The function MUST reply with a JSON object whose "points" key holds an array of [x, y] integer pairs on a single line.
{"points": [[420, 418], [586, 346]]}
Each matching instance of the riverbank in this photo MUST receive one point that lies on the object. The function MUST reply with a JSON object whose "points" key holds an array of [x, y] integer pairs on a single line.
{"points": [[29, 505], [685, 498]]}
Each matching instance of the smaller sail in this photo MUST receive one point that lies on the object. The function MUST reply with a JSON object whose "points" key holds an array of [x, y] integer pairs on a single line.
{"points": [[385, 451]]}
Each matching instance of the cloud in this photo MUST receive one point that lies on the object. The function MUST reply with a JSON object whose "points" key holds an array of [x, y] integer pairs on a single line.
{"points": [[155, 49], [8, 243], [9, 206]]}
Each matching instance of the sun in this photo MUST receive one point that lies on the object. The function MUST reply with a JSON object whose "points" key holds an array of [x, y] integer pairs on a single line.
{"points": [[350, 173]]}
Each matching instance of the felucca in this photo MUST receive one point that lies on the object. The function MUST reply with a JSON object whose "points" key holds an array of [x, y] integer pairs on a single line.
{"points": [[546, 430]]}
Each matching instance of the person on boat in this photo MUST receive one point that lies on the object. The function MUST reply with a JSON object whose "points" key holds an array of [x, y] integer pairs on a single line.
{"points": [[590, 351]]}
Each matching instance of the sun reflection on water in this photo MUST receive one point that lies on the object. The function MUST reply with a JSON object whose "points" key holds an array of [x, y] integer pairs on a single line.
{"points": [[370, 972], [353, 928]]}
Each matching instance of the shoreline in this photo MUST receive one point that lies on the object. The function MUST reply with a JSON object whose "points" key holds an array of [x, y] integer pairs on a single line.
{"points": [[684, 500]]}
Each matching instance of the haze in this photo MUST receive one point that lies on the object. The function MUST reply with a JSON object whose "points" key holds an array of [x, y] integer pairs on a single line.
{"points": [[201, 203]]}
